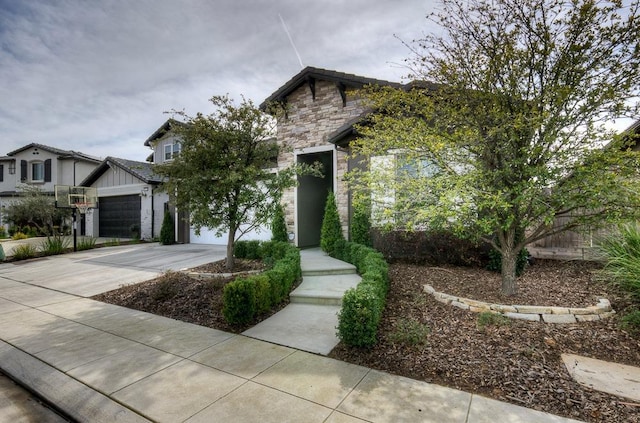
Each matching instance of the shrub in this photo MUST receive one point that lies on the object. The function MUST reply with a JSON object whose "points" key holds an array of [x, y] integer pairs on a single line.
{"points": [[19, 235], [279, 226], [2, 256], [167, 288], [362, 306], [239, 300], [24, 251], [631, 322], [331, 230], [495, 261], [247, 296], [410, 332], [360, 228], [486, 318], [429, 247], [3, 232], [621, 254], [86, 243], [54, 245], [167, 230]]}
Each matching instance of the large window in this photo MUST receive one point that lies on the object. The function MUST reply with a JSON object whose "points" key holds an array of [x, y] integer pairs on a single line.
{"points": [[37, 172], [171, 151]]}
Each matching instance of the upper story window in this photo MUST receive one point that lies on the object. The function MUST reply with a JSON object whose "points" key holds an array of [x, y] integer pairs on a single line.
{"points": [[37, 171], [171, 151]]}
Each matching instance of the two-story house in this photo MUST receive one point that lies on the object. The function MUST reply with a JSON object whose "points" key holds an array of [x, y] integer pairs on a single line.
{"points": [[41, 166]]}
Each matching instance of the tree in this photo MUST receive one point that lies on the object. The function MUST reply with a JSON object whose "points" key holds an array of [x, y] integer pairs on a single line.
{"points": [[36, 208], [507, 135], [223, 176]]}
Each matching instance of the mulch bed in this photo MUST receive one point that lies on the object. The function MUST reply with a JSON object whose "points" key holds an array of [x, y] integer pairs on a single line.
{"points": [[518, 362]]}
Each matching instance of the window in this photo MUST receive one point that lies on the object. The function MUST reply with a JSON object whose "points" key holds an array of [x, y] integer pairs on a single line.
{"points": [[1, 173], [12, 168], [171, 151], [37, 172]]}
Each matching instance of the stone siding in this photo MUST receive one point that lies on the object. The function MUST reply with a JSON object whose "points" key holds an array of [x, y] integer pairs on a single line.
{"points": [[307, 124]]}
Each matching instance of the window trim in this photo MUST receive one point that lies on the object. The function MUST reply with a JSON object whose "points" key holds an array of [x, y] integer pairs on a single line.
{"points": [[40, 164]]}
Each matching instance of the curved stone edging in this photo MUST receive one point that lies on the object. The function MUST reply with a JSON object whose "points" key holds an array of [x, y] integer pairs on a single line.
{"points": [[547, 314], [220, 275]]}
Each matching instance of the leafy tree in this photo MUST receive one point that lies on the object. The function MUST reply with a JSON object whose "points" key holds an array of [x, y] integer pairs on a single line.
{"points": [[331, 230], [505, 141], [36, 208], [222, 176], [279, 226]]}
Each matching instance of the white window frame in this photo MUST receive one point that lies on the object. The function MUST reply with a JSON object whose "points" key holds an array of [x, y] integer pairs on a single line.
{"points": [[171, 151], [32, 173]]}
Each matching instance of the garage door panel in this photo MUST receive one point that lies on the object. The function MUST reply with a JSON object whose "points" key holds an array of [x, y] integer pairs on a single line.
{"points": [[118, 214]]}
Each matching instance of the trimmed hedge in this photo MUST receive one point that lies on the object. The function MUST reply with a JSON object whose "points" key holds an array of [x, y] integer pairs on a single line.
{"points": [[362, 306], [247, 297]]}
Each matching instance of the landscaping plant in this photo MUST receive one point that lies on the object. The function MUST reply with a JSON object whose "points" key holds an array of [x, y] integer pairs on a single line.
{"points": [[53, 245], [331, 231], [279, 226], [167, 230]]}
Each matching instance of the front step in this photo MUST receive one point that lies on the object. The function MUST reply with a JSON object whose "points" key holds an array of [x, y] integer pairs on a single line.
{"points": [[324, 289], [316, 263]]}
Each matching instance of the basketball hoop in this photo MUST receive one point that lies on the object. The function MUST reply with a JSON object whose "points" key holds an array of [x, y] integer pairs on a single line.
{"points": [[82, 207]]}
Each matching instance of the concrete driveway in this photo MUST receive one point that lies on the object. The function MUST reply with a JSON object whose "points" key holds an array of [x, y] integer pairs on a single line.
{"points": [[91, 272]]}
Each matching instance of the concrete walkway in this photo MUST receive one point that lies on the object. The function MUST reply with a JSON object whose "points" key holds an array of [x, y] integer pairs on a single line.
{"points": [[103, 363]]}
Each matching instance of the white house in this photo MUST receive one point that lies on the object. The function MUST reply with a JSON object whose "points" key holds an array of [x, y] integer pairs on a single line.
{"points": [[43, 167]]}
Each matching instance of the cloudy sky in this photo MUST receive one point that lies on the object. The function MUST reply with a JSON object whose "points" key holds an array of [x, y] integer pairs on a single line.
{"points": [[97, 76]]}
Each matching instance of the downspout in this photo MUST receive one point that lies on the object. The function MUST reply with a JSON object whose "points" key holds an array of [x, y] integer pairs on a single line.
{"points": [[153, 217]]}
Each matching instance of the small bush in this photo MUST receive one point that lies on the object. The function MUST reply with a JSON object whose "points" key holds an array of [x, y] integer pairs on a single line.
{"points": [[54, 245], [263, 293], [621, 254], [410, 332], [495, 261], [631, 322], [360, 228], [252, 250], [362, 306], [24, 251], [3, 232], [18, 236], [86, 243], [486, 318], [279, 226], [167, 288], [2, 256], [331, 230], [239, 298], [167, 230]]}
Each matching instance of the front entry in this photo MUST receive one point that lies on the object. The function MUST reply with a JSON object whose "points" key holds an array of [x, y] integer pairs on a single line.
{"points": [[311, 198]]}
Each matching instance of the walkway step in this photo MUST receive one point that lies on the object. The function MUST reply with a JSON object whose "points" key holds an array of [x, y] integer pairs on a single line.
{"points": [[324, 290], [315, 262]]}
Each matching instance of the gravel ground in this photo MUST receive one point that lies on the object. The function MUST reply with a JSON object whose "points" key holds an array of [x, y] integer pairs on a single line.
{"points": [[420, 338]]}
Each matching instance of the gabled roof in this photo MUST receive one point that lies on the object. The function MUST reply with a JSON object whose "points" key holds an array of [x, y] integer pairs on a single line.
{"points": [[141, 170], [164, 128], [309, 74], [63, 154]]}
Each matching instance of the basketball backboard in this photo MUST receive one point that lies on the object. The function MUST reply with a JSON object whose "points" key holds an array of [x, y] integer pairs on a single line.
{"points": [[74, 197]]}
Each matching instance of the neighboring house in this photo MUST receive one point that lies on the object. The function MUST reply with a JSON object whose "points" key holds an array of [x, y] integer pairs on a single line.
{"points": [[165, 144], [41, 166], [321, 108], [129, 202]]}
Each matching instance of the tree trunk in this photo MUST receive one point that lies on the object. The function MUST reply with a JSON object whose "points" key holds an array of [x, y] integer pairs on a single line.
{"points": [[509, 283], [230, 244]]}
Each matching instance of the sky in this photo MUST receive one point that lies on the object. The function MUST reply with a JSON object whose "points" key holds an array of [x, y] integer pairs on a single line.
{"points": [[98, 76]]}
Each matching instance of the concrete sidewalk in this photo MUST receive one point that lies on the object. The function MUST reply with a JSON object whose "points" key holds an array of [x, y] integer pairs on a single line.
{"points": [[103, 363]]}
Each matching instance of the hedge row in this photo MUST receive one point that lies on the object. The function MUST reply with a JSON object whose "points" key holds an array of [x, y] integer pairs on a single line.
{"points": [[246, 297], [362, 306]]}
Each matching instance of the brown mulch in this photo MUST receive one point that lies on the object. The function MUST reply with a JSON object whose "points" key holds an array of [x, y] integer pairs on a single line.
{"points": [[517, 362]]}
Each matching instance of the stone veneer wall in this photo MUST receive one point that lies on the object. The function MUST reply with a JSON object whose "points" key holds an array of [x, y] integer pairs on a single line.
{"points": [[547, 314], [308, 123]]}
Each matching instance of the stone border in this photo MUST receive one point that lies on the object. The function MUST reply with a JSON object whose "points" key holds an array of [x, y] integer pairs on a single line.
{"points": [[547, 314], [220, 275]]}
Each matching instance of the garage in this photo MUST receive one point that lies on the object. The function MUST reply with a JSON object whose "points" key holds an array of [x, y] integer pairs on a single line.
{"points": [[119, 216]]}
